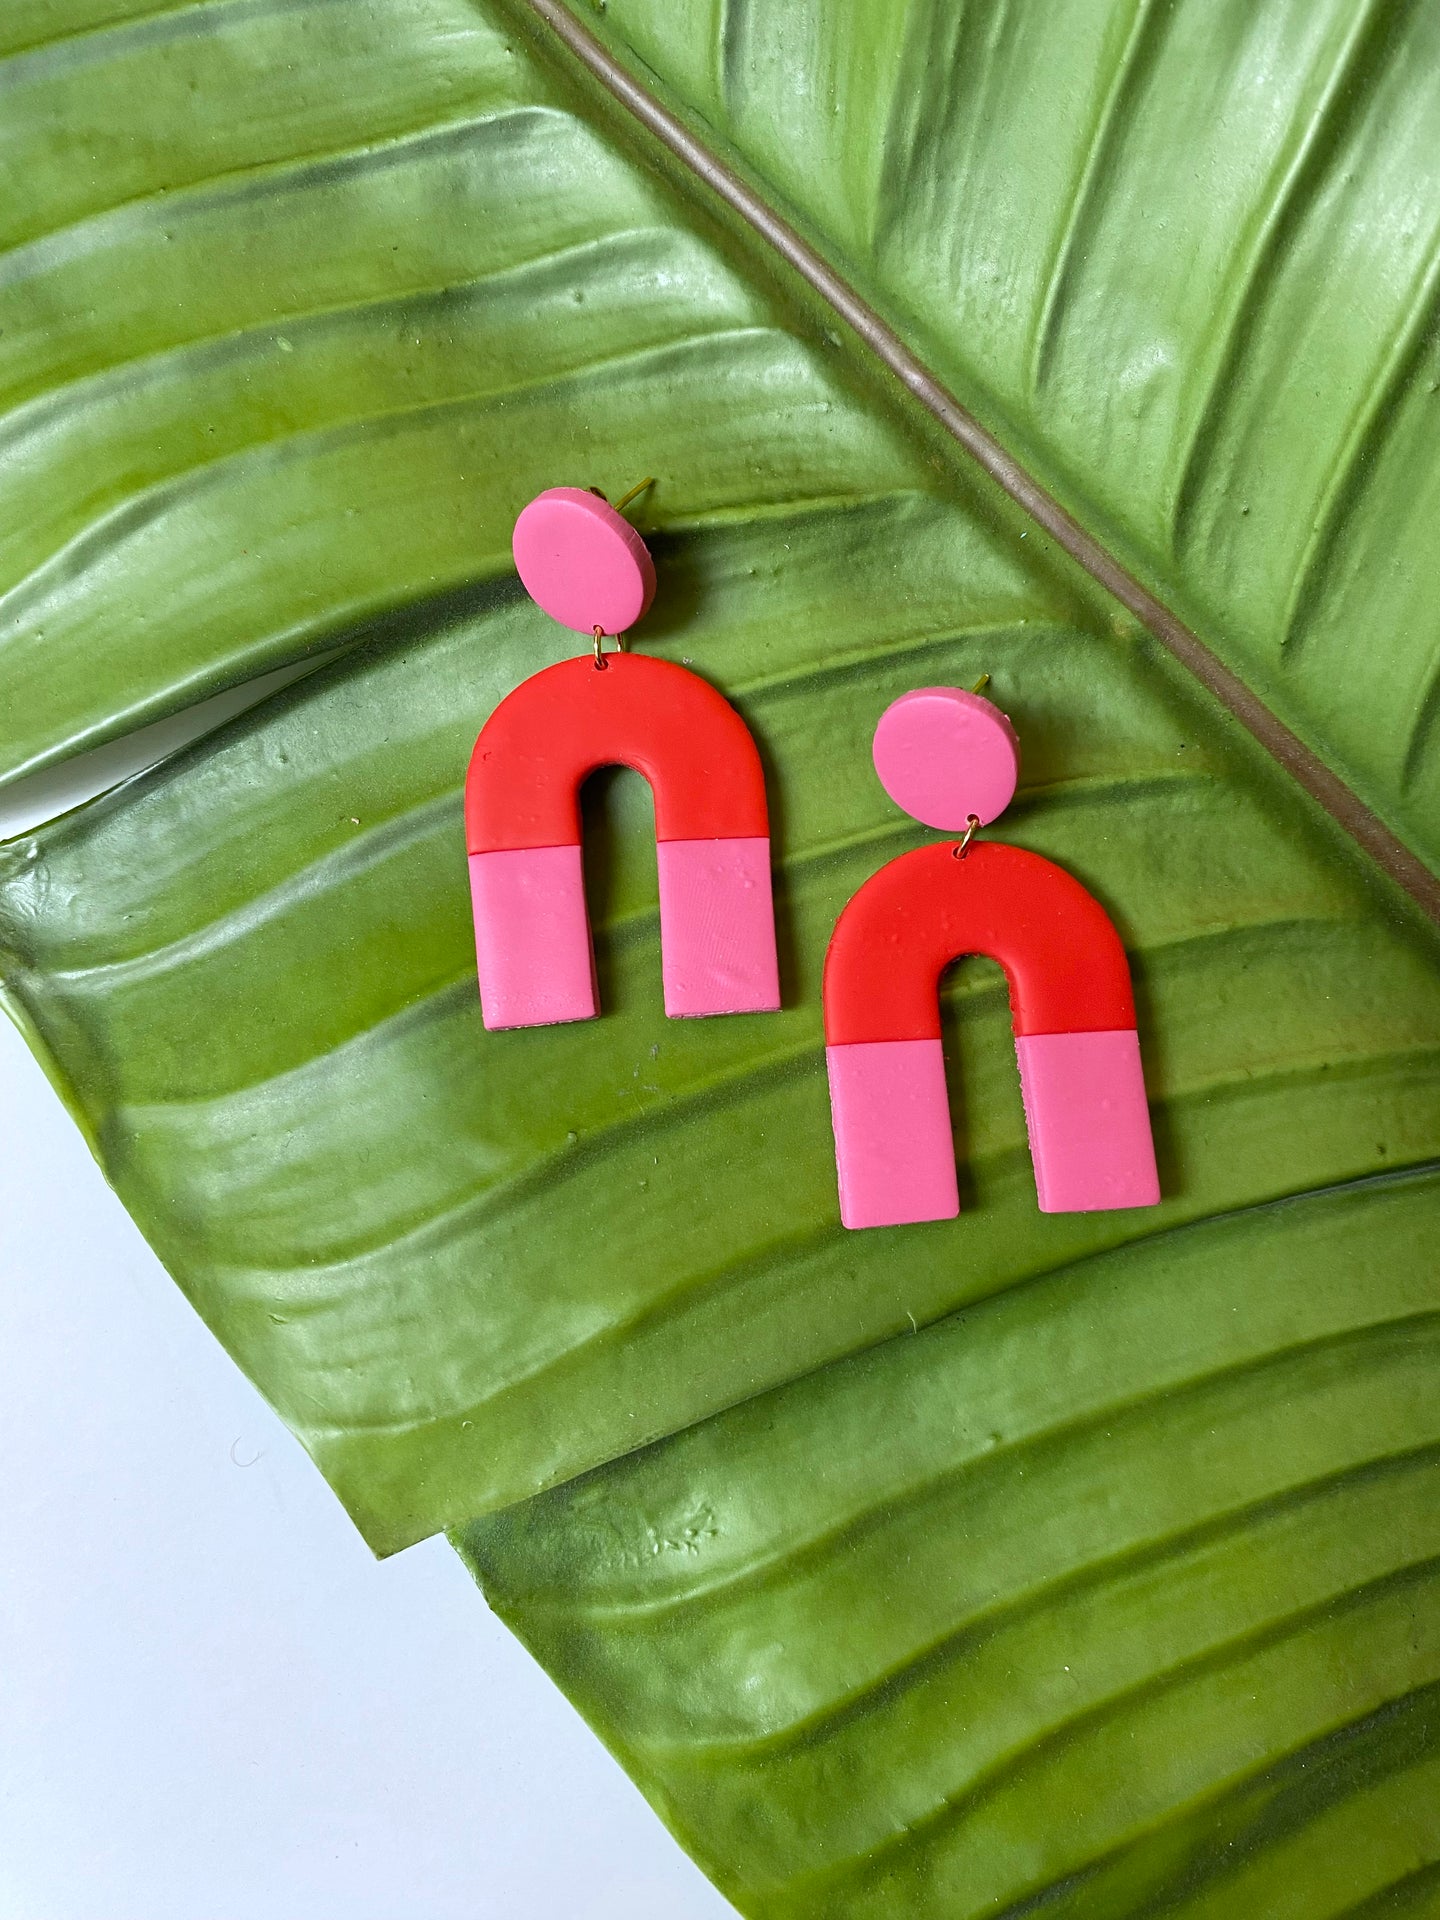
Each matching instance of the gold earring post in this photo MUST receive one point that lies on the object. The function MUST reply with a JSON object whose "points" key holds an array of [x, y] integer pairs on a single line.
{"points": [[634, 493]]}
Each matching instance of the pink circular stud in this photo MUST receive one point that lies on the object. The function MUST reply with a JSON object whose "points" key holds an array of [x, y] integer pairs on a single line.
{"points": [[580, 561], [944, 755]]}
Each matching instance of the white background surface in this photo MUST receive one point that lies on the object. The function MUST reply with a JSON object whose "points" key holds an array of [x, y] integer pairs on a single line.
{"points": [[214, 1704]]}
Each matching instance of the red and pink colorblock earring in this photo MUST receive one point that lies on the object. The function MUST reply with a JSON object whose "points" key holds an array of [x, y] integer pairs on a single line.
{"points": [[587, 567], [951, 759]]}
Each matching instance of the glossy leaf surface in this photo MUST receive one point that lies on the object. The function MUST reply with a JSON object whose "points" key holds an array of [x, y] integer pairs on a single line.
{"points": [[1115, 1595], [1186, 258], [282, 367]]}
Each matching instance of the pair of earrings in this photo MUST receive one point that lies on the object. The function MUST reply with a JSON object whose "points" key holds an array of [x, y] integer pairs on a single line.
{"points": [[948, 757]]}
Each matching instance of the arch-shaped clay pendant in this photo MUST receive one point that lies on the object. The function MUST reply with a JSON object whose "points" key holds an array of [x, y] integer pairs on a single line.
{"points": [[1070, 996], [589, 569]]}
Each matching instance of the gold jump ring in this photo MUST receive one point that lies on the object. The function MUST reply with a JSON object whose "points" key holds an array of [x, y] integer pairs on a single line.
{"points": [[970, 825]]}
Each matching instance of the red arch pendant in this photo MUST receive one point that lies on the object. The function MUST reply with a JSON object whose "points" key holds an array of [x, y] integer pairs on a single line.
{"points": [[522, 827], [1074, 1021]]}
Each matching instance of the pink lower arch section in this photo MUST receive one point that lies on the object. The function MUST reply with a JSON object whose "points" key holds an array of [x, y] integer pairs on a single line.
{"points": [[893, 1147], [532, 934], [1085, 1107], [717, 927], [1089, 1122], [532, 937]]}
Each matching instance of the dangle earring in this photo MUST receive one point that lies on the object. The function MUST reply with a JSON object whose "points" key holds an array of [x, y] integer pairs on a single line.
{"points": [[951, 759], [588, 568]]}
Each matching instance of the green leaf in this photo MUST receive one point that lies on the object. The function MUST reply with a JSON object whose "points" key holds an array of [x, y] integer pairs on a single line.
{"points": [[1115, 1595], [1185, 259], [345, 285]]}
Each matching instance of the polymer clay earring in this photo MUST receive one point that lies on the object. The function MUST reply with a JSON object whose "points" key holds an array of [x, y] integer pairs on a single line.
{"points": [[581, 561], [951, 759]]}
